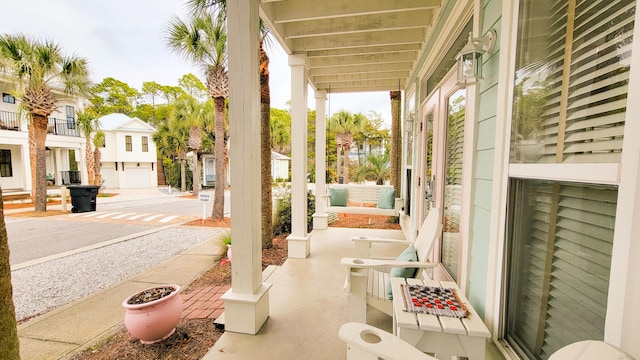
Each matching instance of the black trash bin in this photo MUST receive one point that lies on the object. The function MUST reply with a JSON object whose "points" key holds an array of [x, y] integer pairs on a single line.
{"points": [[83, 198]]}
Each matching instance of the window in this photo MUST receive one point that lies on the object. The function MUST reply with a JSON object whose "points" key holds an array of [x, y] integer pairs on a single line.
{"points": [[71, 119], [569, 107], [8, 98], [5, 163], [561, 238], [128, 143], [145, 144]]}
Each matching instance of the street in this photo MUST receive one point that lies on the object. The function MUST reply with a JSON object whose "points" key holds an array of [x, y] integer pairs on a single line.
{"points": [[59, 259]]}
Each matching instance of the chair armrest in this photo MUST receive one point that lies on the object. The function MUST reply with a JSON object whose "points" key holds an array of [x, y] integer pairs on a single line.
{"points": [[364, 339], [399, 203], [363, 244], [358, 263]]}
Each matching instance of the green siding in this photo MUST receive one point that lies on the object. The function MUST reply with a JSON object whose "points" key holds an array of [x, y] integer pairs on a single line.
{"points": [[484, 157]]}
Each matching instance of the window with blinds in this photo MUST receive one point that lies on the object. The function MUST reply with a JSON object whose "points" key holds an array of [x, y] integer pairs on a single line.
{"points": [[561, 238], [569, 106], [573, 59]]}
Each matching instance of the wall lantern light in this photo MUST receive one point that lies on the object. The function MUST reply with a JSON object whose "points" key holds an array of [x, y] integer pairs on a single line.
{"points": [[468, 59]]}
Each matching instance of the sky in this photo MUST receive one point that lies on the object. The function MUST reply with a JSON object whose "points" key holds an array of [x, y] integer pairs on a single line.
{"points": [[125, 40]]}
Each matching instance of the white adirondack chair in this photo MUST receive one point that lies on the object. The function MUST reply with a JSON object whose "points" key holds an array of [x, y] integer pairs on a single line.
{"points": [[367, 278], [365, 342]]}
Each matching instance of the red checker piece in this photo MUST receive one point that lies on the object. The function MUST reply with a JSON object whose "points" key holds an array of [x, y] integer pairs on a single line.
{"points": [[440, 306]]}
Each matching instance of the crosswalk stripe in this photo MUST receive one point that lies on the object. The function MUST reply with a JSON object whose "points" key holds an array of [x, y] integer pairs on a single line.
{"points": [[137, 216], [123, 215], [90, 214], [168, 218], [106, 215], [152, 217]]}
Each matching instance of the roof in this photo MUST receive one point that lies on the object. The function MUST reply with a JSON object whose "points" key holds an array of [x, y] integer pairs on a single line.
{"points": [[353, 46], [278, 156], [123, 122]]}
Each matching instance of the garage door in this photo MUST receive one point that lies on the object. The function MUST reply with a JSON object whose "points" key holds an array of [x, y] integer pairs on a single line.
{"points": [[138, 177], [109, 177]]}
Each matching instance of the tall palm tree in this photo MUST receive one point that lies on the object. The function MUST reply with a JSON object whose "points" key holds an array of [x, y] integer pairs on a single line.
{"points": [[219, 8], [172, 139], [396, 139], [98, 143], [9, 343], [39, 67], [344, 125], [88, 123], [203, 40]]}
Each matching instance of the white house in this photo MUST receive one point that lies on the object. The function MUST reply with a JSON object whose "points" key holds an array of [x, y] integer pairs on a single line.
{"points": [[128, 158], [279, 166], [65, 143]]}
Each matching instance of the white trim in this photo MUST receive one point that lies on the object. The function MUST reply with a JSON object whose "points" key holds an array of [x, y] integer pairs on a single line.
{"points": [[495, 300], [622, 327], [592, 173]]}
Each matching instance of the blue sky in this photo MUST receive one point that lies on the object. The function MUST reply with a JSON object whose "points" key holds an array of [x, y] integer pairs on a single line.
{"points": [[124, 40]]}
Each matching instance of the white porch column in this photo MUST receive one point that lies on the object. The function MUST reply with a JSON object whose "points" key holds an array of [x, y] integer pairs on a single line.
{"points": [[57, 165], [298, 241], [320, 217], [247, 302], [26, 164]]}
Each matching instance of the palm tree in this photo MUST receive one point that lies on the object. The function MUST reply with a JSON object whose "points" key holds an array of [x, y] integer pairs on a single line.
{"points": [[9, 343], [204, 41], [98, 143], [219, 7], [396, 139], [88, 122], [376, 168], [344, 125], [39, 67], [172, 139]]}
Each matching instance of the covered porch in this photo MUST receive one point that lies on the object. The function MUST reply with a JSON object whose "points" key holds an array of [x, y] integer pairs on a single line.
{"points": [[307, 305]]}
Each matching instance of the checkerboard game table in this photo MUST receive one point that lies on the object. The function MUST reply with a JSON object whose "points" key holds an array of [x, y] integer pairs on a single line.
{"points": [[439, 334]]}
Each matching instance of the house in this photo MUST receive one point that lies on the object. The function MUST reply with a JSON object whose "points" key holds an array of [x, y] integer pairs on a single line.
{"points": [[279, 166], [65, 144], [516, 122], [128, 158]]}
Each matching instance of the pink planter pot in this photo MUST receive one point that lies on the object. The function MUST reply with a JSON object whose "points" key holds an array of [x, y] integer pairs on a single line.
{"points": [[156, 320]]}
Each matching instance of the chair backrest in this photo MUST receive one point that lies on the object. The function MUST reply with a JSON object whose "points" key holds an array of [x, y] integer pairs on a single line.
{"points": [[431, 229]]}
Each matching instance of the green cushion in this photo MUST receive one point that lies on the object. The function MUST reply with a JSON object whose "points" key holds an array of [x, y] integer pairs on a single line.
{"points": [[337, 196], [387, 199], [409, 254]]}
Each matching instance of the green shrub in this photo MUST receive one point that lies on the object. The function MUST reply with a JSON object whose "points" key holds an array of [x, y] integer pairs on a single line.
{"points": [[282, 223]]}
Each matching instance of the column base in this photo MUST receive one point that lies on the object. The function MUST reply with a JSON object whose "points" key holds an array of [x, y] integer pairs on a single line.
{"points": [[299, 247], [246, 313], [320, 221]]}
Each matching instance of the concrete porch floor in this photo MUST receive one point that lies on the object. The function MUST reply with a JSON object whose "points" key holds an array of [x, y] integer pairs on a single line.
{"points": [[307, 305]]}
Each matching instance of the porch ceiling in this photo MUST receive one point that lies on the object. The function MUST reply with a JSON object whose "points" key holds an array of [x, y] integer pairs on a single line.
{"points": [[353, 46]]}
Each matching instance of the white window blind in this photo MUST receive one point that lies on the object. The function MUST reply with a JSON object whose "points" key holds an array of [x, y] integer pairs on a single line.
{"points": [[583, 76]]}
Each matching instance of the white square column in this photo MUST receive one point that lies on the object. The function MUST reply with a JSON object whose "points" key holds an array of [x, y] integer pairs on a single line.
{"points": [[320, 217], [298, 241], [247, 302]]}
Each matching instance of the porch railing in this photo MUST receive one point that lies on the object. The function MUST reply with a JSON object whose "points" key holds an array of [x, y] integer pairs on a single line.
{"points": [[66, 127], [9, 120], [70, 177]]}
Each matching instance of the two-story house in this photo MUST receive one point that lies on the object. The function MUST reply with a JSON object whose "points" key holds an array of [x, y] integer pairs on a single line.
{"points": [[128, 157], [65, 143]]}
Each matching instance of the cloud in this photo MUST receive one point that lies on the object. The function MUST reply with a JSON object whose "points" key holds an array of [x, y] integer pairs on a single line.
{"points": [[124, 39]]}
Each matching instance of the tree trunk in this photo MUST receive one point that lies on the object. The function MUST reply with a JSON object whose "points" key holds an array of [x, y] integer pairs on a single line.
{"points": [[345, 153], [9, 344], [265, 151], [89, 159], [97, 156], [40, 124], [183, 175], [218, 195], [338, 168], [196, 173], [396, 140], [32, 158]]}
